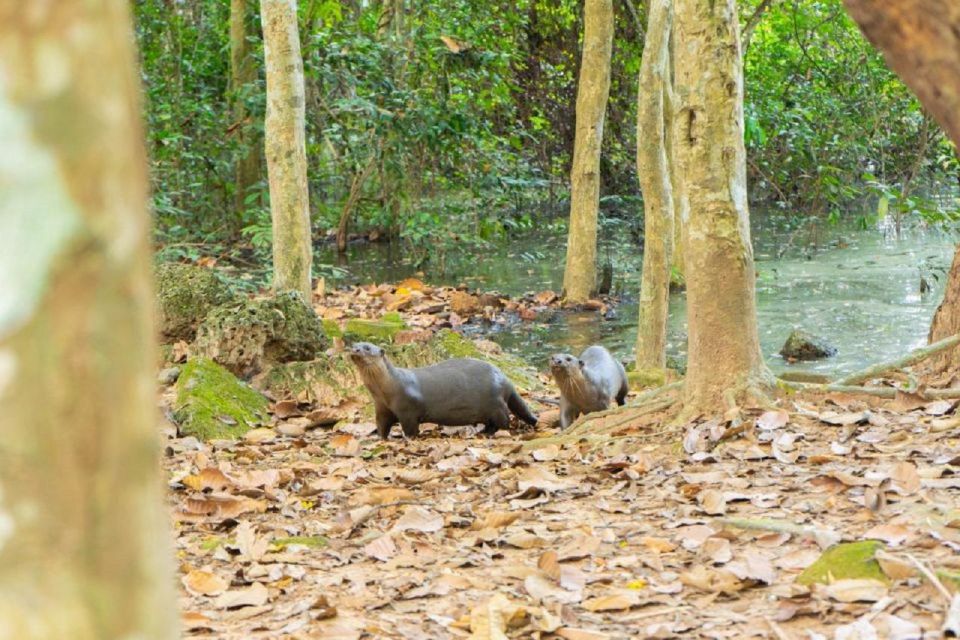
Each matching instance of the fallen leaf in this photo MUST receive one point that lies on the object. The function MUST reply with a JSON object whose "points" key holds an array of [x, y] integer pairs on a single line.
{"points": [[771, 420], [712, 580], [204, 583], [547, 453], [853, 590], [540, 479], [419, 519], [491, 620], [712, 502], [382, 548], [543, 589], [904, 478], [495, 520], [253, 596], [615, 601]]}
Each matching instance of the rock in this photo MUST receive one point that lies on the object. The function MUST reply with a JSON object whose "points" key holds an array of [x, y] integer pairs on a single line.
{"points": [[185, 294], [549, 419], [852, 560], [490, 300], [249, 335], [379, 331], [801, 345], [212, 404], [464, 304], [168, 376]]}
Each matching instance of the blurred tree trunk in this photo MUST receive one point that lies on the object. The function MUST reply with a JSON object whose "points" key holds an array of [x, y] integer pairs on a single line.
{"points": [[654, 174], [286, 148], [920, 40], [724, 358], [84, 546], [243, 73], [580, 275]]}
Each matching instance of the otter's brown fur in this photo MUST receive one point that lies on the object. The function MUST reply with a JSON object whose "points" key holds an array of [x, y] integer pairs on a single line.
{"points": [[588, 383], [462, 391]]}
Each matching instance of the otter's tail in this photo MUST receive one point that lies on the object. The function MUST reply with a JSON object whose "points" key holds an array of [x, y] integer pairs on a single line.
{"points": [[520, 409]]}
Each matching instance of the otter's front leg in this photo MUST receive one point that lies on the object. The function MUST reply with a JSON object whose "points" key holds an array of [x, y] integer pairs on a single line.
{"points": [[568, 413], [410, 425], [385, 420]]}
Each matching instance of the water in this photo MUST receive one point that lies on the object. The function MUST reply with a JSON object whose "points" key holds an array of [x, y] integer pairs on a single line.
{"points": [[858, 289]]}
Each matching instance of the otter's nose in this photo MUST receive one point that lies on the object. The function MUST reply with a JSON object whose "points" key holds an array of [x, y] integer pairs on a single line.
{"points": [[555, 361]]}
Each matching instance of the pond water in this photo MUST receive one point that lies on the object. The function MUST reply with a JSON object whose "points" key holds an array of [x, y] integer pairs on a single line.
{"points": [[858, 289]]}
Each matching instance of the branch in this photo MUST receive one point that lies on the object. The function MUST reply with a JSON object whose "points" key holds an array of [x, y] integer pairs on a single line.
{"points": [[911, 358], [752, 23], [641, 33]]}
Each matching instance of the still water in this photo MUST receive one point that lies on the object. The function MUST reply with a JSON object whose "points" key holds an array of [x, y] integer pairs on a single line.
{"points": [[858, 289]]}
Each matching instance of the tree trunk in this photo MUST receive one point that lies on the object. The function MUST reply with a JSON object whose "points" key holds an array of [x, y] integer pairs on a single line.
{"points": [[84, 545], [286, 148], [653, 172], [242, 73], [580, 275], [920, 40], [724, 356]]}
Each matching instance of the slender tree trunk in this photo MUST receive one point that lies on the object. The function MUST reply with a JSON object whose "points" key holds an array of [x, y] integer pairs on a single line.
{"points": [[286, 148], [580, 276], [653, 171], [84, 546], [920, 40], [242, 73], [724, 356]]}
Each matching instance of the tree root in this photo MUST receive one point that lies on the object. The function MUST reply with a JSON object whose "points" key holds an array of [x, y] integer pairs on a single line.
{"points": [[592, 428], [915, 356], [877, 392]]}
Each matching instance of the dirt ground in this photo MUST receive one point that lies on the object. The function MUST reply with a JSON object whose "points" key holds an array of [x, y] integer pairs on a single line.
{"points": [[331, 533]]}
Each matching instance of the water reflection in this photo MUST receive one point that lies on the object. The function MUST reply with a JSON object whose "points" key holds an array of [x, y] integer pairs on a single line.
{"points": [[859, 289]]}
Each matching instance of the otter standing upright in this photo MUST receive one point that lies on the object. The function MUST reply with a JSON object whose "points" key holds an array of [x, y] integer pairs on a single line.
{"points": [[588, 383], [456, 392]]}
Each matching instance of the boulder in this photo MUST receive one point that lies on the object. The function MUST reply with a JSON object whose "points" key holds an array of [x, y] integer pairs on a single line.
{"points": [[801, 345], [248, 336], [211, 403], [185, 294]]}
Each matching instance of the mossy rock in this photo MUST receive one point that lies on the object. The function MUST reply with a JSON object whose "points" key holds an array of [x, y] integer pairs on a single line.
{"points": [[334, 381], [646, 378], [853, 560], [185, 294], [248, 336], [801, 345], [382, 330], [211, 403]]}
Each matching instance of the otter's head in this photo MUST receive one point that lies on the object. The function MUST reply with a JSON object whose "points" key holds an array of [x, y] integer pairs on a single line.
{"points": [[367, 356], [564, 366]]}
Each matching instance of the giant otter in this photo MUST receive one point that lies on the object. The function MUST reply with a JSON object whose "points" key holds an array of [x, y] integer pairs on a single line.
{"points": [[587, 383], [456, 392]]}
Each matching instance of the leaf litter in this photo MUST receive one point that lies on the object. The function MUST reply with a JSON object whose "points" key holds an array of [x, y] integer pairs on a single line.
{"points": [[329, 532]]}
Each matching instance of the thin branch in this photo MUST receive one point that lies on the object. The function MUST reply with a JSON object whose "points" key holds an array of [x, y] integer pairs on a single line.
{"points": [[752, 23]]}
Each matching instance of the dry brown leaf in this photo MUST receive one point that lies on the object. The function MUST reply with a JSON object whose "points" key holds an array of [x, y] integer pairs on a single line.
{"points": [[619, 600], [210, 478], [844, 419], [204, 583], [716, 550], [382, 548], [547, 453], [904, 478], [259, 435], [712, 580], [345, 444], [250, 545], [253, 596], [495, 520], [543, 589], [416, 476], [195, 621], [542, 480], [857, 590], [571, 633], [287, 409], [221, 507], [549, 564], [383, 495], [419, 519], [771, 420], [658, 545], [712, 502], [892, 534], [491, 620]]}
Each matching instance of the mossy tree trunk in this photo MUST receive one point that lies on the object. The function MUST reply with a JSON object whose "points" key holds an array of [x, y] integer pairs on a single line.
{"points": [[920, 40], [84, 546], [242, 74], [724, 356], [286, 148], [654, 174], [580, 275]]}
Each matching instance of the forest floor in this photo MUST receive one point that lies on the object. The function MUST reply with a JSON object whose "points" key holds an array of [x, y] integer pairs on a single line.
{"points": [[331, 533]]}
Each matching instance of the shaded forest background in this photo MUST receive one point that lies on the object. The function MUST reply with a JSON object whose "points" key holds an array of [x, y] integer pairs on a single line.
{"points": [[452, 123]]}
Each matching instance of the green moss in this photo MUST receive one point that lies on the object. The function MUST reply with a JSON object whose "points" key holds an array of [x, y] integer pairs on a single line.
{"points": [[454, 345], [324, 382], [381, 330], [213, 404], [314, 542], [332, 329], [804, 376], [185, 294], [854, 560], [647, 378], [211, 544], [246, 336]]}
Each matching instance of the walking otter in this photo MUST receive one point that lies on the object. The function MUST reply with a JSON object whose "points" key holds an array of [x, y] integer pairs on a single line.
{"points": [[587, 383], [456, 392]]}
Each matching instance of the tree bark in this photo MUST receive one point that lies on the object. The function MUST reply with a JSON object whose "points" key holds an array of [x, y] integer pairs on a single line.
{"points": [[580, 275], [653, 172], [286, 148], [84, 545], [242, 73], [724, 356], [920, 40]]}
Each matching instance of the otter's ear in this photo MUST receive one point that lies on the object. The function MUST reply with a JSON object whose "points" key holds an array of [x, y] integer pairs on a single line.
{"points": [[581, 363]]}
